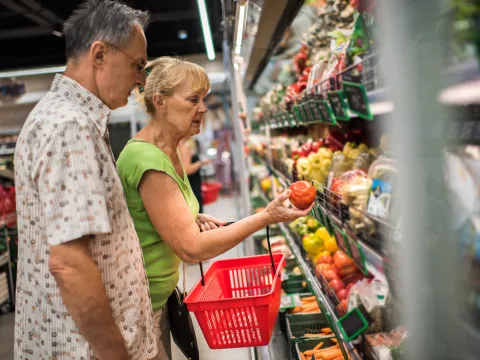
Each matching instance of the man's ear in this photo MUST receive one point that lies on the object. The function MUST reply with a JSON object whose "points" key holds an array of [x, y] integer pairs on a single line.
{"points": [[98, 52]]}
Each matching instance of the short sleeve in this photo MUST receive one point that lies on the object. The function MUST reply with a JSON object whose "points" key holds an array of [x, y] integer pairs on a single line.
{"points": [[138, 158], [68, 176]]}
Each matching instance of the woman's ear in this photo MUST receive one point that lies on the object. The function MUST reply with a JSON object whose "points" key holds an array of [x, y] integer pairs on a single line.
{"points": [[159, 101]]}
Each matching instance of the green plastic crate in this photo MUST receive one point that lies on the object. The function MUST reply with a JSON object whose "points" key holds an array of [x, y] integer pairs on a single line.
{"points": [[309, 344], [282, 314], [289, 268], [300, 324], [295, 286]]}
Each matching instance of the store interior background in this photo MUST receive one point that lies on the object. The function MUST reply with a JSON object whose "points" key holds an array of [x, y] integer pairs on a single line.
{"points": [[250, 59], [31, 31]]}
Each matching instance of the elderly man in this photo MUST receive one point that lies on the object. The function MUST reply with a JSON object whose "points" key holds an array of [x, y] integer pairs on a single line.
{"points": [[82, 292]]}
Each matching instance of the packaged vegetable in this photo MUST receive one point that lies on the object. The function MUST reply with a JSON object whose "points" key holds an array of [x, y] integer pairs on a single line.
{"points": [[383, 174]]}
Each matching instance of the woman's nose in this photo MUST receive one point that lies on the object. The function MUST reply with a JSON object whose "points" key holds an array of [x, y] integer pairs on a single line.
{"points": [[203, 108]]}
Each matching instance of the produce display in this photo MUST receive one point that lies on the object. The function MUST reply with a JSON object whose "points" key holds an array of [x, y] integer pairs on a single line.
{"points": [[319, 143], [309, 305]]}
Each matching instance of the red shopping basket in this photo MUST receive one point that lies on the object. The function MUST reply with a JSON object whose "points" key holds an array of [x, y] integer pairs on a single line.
{"points": [[237, 301], [210, 192]]}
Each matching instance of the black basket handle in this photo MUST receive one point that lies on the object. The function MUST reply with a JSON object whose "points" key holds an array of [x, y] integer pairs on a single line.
{"points": [[269, 252]]}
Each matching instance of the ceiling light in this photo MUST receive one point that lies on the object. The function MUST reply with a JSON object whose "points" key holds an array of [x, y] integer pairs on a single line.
{"points": [[40, 71], [57, 33], [182, 34], [240, 25], [207, 33]]}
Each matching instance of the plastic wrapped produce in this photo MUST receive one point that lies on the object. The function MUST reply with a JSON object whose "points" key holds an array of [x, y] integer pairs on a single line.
{"points": [[383, 174]]}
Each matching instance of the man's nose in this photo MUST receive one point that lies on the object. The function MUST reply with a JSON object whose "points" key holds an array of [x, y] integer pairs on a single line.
{"points": [[141, 79]]}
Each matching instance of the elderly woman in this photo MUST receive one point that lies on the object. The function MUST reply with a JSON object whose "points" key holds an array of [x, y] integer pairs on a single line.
{"points": [[160, 199]]}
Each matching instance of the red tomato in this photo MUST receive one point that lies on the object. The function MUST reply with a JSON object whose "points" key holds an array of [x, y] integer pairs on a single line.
{"points": [[348, 270], [326, 259], [341, 260], [303, 194], [337, 185], [323, 267], [344, 304], [353, 279], [342, 294], [336, 285], [320, 268], [330, 275]]}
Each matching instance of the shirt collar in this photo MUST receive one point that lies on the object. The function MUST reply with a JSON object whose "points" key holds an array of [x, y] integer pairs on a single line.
{"points": [[70, 89]]}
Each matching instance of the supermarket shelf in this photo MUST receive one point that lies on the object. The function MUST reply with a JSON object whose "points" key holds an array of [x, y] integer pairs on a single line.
{"points": [[463, 83], [7, 173], [4, 259], [7, 151], [317, 289]]}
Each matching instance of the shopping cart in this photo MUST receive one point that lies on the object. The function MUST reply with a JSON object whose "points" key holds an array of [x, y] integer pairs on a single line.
{"points": [[236, 302]]}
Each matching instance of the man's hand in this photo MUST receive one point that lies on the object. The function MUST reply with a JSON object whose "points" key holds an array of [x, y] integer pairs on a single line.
{"points": [[206, 222]]}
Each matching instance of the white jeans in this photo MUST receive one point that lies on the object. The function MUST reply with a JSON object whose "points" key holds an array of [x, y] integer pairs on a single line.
{"points": [[162, 334]]}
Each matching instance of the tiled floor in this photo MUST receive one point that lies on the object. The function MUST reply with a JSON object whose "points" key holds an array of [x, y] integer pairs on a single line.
{"points": [[226, 209]]}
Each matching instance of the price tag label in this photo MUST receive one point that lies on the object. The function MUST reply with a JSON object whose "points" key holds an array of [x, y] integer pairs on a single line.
{"points": [[284, 119], [290, 301], [357, 255], [339, 105], [306, 110], [316, 116], [357, 99], [326, 111], [303, 112], [297, 115], [342, 240]]}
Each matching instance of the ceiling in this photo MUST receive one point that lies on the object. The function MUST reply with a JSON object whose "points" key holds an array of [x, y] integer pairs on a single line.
{"points": [[27, 27]]}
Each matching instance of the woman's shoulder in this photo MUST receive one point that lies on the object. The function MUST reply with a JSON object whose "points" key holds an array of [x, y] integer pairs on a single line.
{"points": [[137, 153]]}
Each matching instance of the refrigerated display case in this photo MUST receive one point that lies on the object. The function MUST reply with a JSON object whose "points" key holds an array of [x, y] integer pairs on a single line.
{"points": [[376, 116]]}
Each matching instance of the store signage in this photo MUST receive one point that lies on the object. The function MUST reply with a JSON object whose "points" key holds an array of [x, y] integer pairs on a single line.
{"points": [[339, 105], [355, 323], [326, 112], [357, 99]]}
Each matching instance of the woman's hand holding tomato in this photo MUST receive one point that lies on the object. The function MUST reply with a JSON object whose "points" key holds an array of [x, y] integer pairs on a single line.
{"points": [[277, 212], [303, 194]]}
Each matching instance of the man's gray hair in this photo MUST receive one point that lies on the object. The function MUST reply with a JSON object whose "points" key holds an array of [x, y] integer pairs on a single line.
{"points": [[101, 20]]}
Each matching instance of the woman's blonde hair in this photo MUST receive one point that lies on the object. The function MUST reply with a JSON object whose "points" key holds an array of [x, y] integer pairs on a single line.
{"points": [[166, 74]]}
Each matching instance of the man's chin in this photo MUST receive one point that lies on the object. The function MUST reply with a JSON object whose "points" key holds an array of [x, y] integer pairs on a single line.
{"points": [[117, 104]]}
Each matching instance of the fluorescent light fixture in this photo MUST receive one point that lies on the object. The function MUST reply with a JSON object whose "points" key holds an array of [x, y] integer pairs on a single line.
{"points": [[466, 93], [207, 33], [240, 25], [28, 72], [382, 107], [57, 33]]}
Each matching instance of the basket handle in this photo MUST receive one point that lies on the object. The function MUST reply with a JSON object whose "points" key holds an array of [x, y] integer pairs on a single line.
{"points": [[200, 263], [269, 252]]}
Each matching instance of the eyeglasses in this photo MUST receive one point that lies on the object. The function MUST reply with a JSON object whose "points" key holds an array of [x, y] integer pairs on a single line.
{"points": [[139, 66]]}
